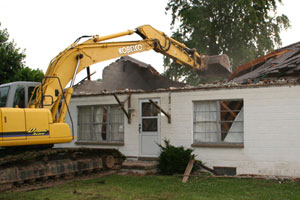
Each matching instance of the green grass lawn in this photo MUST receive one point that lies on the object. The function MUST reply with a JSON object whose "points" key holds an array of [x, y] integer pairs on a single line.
{"points": [[163, 187]]}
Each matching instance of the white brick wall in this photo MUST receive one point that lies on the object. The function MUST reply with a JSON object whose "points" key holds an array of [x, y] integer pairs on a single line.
{"points": [[271, 130], [271, 127]]}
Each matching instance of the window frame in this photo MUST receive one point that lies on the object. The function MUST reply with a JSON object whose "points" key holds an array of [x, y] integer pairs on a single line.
{"points": [[221, 143], [93, 123], [19, 98], [4, 96]]}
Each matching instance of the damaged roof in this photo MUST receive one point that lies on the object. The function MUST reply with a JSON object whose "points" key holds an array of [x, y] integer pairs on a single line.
{"points": [[126, 73], [283, 62], [278, 68], [216, 86]]}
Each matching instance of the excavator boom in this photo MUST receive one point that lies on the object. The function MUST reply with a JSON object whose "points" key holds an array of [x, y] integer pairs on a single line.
{"points": [[78, 56]]}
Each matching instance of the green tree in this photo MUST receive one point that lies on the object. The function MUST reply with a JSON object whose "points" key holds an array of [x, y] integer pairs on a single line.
{"points": [[11, 59], [27, 74], [242, 29], [12, 65]]}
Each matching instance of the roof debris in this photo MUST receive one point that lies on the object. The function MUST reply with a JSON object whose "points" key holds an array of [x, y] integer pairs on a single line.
{"points": [[278, 68], [127, 73], [228, 85], [284, 62]]}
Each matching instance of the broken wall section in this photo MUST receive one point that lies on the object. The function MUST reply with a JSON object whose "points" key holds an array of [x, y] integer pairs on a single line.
{"points": [[127, 73]]}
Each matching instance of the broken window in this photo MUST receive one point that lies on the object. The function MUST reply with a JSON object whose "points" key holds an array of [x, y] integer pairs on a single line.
{"points": [[218, 121], [103, 123]]}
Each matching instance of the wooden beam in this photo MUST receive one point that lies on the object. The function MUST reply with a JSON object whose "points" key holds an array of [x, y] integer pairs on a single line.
{"points": [[129, 106], [188, 170], [85, 78], [226, 128], [225, 125], [259, 60], [161, 110], [228, 109], [128, 115], [88, 73]]}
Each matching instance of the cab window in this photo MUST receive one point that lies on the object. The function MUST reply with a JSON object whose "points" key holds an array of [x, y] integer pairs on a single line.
{"points": [[19, 99], [3, 95], [30, 91]]}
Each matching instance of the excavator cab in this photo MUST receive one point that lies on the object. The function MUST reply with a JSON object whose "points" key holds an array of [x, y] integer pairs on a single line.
{"points": [[16, 94], [38, 122]]}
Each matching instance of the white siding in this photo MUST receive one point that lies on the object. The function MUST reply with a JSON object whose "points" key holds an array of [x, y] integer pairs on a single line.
{"points": [[271, 127], [271, 130]]}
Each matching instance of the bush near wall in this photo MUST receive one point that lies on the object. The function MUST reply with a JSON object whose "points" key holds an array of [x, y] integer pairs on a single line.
{"points": [[173, 160]]}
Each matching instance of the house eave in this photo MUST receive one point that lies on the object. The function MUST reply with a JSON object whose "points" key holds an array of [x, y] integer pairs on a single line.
{"points": [[230, 85]]}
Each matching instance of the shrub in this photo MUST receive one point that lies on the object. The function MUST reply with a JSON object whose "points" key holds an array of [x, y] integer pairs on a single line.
{"points": [[173, 159]]}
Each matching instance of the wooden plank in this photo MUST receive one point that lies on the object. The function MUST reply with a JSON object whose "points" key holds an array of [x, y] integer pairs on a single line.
{"points": [[161, 110], [129, 106], [257, 61], [188, 170], [123, 109], [88, 73], [228, 109]]}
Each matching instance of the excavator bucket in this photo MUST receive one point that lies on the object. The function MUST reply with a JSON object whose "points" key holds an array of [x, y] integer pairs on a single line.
{"points": [[216, 67]]}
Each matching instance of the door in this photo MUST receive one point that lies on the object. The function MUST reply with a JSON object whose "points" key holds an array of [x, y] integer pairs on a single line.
{"points": [[149, 128], [13, 124]]}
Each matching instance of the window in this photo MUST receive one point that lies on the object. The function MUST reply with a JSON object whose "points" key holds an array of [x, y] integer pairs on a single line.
{"points": [[30, 92], [99, 124], [219, 122], [19, 99], [149, 117], [3, 96]]}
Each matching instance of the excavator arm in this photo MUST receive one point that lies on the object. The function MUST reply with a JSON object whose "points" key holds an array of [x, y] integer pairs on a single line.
{"points": [[78, 56], [173, 49]]}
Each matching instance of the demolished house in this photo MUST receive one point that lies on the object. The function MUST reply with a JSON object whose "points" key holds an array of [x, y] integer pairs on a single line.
{"points": [[249, 125]]}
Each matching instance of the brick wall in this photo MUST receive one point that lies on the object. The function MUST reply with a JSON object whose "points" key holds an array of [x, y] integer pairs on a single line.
{"points": [[271, 127], [271, 130]]}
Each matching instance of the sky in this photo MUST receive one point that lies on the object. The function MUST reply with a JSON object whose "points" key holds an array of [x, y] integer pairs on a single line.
{"points": [[45, 28]]}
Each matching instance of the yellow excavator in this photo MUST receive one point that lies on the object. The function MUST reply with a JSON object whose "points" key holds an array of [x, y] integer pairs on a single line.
{"points": [[43, 122], [40, 124]]}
